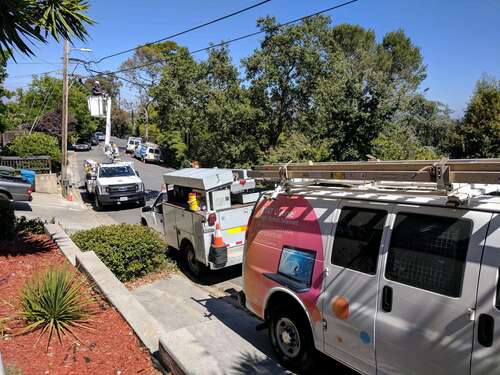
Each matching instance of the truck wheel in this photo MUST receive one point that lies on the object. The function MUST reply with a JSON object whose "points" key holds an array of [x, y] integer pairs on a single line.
{"points": [[194, 267], [97, 203], [291, 339]]}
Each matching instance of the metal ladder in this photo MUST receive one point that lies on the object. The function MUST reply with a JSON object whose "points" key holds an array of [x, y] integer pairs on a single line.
{"points": [[417, 176]]}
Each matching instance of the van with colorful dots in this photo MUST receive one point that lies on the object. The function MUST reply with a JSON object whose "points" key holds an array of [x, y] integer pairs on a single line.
{"points": [[384, 279]]}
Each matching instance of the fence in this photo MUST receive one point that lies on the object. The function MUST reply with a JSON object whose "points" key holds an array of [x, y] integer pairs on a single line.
{"points": [[39, 164]]}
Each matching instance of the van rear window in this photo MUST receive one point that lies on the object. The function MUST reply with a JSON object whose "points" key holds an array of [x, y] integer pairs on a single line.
{"points": [[357, 239], [429, 252]]}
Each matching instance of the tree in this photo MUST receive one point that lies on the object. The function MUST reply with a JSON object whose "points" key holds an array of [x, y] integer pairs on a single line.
{"points": [[38, 107], [283, 73], [35, 144], [150, 59], [481, 123], [365, 85], [22, 20]]}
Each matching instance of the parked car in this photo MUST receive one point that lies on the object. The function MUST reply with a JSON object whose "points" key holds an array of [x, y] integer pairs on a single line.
{"points": [[148, 152], [82, 144], [195, 202], [132, 144], [101, 137], [15, 189], [387, 279]]}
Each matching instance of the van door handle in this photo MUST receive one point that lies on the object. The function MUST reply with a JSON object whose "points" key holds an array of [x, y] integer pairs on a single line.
{"points": [[387, 299], [485, 330]]}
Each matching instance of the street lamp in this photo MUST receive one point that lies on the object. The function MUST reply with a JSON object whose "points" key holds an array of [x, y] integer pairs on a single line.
{"points": [[64, 125]]}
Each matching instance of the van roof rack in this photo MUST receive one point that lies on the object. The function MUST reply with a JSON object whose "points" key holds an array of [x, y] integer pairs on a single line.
{"points": [[417, 176]]}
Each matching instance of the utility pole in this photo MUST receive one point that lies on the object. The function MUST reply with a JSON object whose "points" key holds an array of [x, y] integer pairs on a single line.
{"points": [[64, 124]]}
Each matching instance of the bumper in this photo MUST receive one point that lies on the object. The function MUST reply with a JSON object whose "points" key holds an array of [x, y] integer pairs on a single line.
{"points": [[121, 198]]}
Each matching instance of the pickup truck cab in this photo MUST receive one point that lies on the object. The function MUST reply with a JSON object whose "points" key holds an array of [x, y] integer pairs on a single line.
{"points": [[384, 280], [197, 201], [113, 183]]}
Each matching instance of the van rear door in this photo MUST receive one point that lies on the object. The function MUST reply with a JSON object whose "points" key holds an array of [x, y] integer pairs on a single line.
{"points": [[486, 353], [428, 289]]}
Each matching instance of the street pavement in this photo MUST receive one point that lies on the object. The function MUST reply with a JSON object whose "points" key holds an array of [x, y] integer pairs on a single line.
{"points": [[152, 175]]}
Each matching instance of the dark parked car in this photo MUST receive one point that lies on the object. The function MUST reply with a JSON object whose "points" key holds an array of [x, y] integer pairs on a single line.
{"points": [[14, 189], [82, 145], [94, 141]]}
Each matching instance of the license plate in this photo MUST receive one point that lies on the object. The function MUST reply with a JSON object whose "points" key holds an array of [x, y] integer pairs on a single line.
{"points": [[123, 199]]}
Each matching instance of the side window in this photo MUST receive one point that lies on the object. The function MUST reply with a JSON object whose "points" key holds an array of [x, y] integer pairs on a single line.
{"points": [[429, 252], [357, 239]]}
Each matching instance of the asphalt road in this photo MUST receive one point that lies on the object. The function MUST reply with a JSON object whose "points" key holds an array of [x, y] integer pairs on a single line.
{"points": [[152, 175]]}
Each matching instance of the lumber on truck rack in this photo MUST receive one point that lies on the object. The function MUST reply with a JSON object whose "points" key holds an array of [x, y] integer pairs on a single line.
{"points": [[417, 176]]}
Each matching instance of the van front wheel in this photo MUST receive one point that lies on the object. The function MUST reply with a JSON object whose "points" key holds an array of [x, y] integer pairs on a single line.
{"points": [[292, 339]]}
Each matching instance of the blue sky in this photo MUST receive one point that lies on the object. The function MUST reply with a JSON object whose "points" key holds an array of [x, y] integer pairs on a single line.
{"points": [[459, 39]]}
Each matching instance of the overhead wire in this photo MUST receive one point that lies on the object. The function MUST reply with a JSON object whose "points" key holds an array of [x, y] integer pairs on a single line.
{"points": [[184, 31], [212, 46]]}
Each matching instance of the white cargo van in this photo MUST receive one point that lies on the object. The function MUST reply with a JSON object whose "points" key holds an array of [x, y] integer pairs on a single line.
{"points": [[385, 277], [223, 197]]}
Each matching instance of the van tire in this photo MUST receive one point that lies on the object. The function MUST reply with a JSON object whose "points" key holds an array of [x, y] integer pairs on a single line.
{"points": [[4, 197], [301, 356], [195, 268]]}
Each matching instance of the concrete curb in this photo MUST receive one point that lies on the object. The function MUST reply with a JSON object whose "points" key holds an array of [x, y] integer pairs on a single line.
{"points": [[145, 326], [2, 371], [65, 244]]}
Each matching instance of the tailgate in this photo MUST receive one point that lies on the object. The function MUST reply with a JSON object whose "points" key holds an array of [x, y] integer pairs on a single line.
{"points": [[233, 222]]}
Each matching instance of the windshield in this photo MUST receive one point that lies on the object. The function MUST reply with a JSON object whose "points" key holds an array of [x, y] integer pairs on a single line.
{"points": [[121, 171]]}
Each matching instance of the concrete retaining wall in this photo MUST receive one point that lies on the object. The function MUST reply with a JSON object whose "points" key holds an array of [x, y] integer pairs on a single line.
{"points": [[46, 183]]}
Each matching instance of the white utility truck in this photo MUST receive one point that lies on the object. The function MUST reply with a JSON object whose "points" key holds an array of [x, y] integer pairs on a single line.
{"points": [[202, 207], [113, 183]]}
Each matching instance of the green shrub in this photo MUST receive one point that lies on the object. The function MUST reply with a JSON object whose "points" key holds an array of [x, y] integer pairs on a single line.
{"points": [[129, 251], [26, 226], [54, 301], [35, 144], [7, 220]]}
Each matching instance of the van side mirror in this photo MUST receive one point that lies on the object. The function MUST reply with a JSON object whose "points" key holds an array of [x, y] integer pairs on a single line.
{"points": [[146, 209]]}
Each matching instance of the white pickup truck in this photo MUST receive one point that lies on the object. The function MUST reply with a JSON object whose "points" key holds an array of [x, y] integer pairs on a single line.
{"points": [[113, 183], [225, 199]]}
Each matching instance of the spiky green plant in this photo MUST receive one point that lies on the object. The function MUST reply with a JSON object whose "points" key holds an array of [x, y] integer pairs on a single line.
{"points": [[55, 302]]}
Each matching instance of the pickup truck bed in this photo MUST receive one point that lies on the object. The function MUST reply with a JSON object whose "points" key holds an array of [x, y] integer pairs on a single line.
{"points": [[15, 189]]}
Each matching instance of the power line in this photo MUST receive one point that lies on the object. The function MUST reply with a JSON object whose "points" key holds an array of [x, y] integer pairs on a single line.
{"points": [[32, 74], [212, 46], [184, 31]]}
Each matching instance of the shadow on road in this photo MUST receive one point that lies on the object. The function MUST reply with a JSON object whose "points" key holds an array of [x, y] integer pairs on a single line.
{"points": [[22, 206]]}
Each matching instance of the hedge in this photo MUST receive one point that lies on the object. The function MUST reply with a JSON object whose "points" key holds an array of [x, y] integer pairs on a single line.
{"points": [[128, 250]]}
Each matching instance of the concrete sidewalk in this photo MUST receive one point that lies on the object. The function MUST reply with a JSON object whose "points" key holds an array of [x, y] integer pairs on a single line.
{"points": [[206, 333], [72, 216]]}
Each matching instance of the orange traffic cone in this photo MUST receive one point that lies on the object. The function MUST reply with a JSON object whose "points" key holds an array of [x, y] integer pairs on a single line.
{"points": [[218, 241], [70, 197]]}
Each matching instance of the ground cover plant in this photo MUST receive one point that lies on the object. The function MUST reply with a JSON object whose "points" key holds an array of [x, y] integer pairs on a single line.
{"points": [[130, 251]]}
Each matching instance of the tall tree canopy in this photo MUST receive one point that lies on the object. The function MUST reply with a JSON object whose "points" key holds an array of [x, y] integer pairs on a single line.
{"points": [[22, 21], [481, 123]]}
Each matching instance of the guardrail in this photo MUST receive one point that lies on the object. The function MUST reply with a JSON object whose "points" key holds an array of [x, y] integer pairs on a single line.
{"points": [[39, 164]]}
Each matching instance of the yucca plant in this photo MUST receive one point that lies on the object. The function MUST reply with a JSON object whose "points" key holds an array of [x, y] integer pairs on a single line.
{"points": [[55, 302]]}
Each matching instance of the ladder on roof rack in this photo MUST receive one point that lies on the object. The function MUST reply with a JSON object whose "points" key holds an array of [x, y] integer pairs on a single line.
{"points": [[442, 172], [410, 174]]}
